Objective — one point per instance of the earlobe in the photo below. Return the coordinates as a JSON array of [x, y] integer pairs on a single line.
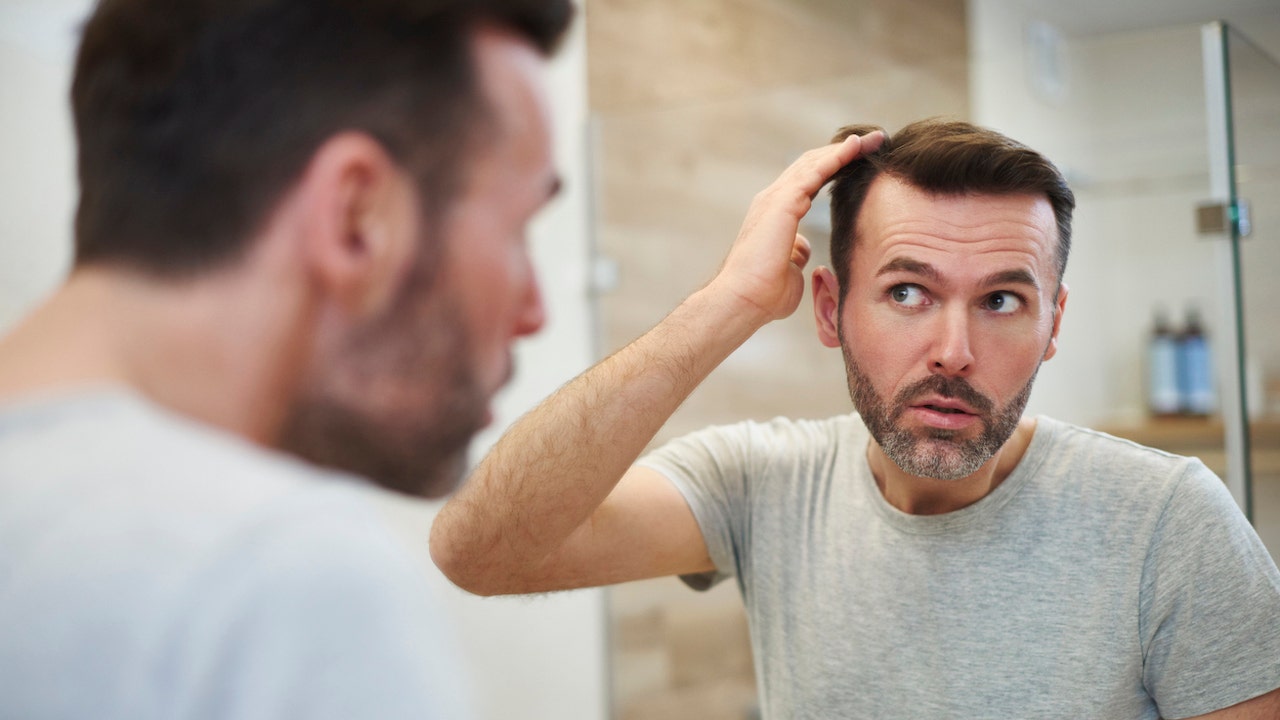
[[826, 306]]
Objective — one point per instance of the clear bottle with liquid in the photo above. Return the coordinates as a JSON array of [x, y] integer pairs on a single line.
[[1195, 369], [1163, 396]]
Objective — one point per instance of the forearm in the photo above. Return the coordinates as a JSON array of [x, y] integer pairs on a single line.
[[537, 514], [556, 465]]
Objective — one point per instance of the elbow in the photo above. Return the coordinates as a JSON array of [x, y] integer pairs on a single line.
[[479, 574], [466, 568], [463, 574]]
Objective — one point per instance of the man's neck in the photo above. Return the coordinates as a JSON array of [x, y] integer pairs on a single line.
[[929, 496], [204, 348]]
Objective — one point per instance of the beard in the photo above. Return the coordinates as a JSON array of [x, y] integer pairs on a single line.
[[934, 452], [397, 401]]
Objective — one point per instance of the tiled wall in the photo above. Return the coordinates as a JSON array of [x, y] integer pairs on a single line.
[[696, 105]]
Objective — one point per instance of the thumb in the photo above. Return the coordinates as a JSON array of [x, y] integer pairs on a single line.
[[801, 251]]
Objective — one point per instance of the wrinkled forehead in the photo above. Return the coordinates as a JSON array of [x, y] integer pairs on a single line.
[[896, 212]]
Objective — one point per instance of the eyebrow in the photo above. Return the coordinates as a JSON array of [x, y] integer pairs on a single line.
[[909, 266], [1017, 276], [1011, 277]]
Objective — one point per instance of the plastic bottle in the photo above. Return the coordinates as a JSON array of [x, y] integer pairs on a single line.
[[1163, 396], [1195, 372]]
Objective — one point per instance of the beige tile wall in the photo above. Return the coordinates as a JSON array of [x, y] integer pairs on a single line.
[[696, 105]]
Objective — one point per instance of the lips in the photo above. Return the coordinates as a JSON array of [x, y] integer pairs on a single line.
[[949, 406], [938, 411], [944, 403], [945, 410]]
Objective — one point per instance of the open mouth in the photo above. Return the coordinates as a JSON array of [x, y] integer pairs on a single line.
[[949, 411]]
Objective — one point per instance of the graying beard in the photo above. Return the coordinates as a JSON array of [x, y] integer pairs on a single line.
[[914, 456]]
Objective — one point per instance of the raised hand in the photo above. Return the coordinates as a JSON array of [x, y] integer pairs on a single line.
[[765, 266]]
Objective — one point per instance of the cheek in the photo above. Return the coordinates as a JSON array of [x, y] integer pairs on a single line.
[[1008, 360], [886, 338], [1014, 343], [885, 353]]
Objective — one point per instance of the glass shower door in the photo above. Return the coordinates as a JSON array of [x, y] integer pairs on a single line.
[[1242, 91]]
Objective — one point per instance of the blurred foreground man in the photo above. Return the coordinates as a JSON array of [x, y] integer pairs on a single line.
[[301, 228], [937, 554]]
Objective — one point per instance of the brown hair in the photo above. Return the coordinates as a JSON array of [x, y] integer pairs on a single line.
[[194, 117], [945, 158]]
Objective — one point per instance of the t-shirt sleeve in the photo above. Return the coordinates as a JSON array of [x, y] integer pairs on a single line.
[[319, 622], [1209, 604], [710, 469]]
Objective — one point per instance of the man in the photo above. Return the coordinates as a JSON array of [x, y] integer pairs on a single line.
[[938, 555], [301, 228]]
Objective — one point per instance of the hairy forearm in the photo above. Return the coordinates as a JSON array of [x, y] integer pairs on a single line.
[[537, 513], [556, 465]]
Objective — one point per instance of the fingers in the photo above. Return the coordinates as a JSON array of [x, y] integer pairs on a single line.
[[871, 142], [777, 210], [809, 173]]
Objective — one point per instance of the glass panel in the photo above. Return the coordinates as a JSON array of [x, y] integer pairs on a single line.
[[1149, 327], [1254, 85]]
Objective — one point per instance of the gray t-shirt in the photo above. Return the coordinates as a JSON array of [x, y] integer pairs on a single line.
[[154, 568], [1101, 579]]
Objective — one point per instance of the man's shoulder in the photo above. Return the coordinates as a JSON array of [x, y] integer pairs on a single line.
[[1094, 457], [742, 453], [1067, 435], [111, 435], [144, 539]]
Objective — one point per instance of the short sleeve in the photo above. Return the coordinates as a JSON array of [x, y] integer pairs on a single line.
[[1209, 604], [710, 469], [326, 619]]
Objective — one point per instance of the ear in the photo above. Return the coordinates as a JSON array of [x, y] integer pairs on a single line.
[[826, 306], [1059, 307], [361, 223]]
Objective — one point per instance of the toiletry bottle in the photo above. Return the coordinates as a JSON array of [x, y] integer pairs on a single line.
[[1163, 397], [1195, 373]]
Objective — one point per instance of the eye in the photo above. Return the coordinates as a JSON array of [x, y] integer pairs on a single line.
[[907, 295], [1003, 302]]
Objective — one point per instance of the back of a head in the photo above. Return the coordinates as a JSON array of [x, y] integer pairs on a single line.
[[944, 158], [194, 118]]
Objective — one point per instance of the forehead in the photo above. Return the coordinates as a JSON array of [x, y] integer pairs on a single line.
[[899, 218]]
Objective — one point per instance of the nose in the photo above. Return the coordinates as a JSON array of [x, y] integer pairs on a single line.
[[952, 354], [533, 314]]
